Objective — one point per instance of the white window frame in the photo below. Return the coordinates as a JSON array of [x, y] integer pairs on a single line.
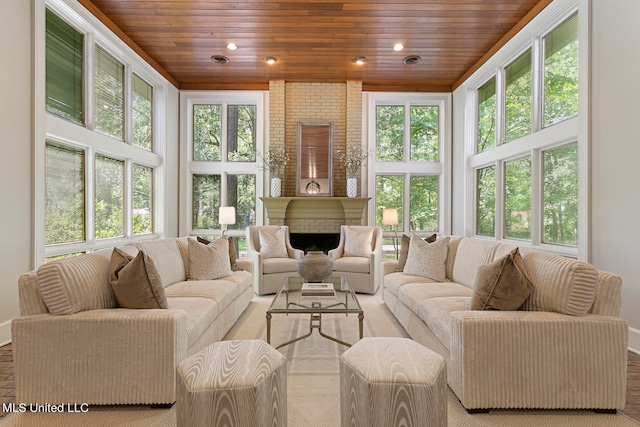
[[48, 127], [223, 167], [541, 139], [408, 168]]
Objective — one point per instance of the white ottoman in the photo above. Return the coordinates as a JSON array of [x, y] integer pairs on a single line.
[[233, 383], [392, 382]]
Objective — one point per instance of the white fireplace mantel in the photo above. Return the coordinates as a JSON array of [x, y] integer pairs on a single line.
[[315, 214]]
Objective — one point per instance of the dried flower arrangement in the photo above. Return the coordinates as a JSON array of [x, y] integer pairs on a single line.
[[353, 158], [274, 159]]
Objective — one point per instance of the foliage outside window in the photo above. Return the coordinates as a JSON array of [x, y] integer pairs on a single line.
[[207, 132], [64, 65], [64, 194], [486, 201], [518, 97], [389, 194], [109, 204], [561, 72], [517, 199], [423, 203], [389, 133], [142, 114], [142, 199], [424, 133], [241, 133], [241, 193], [487, 116], [109, 94], [207, 190], [561, 195]]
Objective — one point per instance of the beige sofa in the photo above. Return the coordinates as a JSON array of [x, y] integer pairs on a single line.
[[565, 348], [71, 345]]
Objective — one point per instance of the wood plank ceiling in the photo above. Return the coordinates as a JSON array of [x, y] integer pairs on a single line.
[[315, 41]]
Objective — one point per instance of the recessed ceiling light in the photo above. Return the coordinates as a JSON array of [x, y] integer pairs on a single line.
[[232, 46], [360, 60], [270, 60], [219, 59], [398, 47], [412, 59]]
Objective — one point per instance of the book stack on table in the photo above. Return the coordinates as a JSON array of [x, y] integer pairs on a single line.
[[317, 292]]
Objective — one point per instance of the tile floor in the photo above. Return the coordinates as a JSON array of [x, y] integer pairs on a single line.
[[632, 408]]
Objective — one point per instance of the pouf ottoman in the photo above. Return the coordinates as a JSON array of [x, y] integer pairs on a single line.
[[232, 383], [387, 382]]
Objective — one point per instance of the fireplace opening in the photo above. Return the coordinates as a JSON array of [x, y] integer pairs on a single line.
[[314, 241]]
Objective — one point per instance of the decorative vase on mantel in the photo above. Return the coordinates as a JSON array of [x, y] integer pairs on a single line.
[[352, 186], [276, 186], [315, 266]]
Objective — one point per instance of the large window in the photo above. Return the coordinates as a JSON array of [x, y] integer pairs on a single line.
[[409, 138], [526, 160], [221, 137], [100, 169]]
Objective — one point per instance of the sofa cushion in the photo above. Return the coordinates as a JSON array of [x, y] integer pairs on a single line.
[[135, 281], [279, 265], [221, 290], [394, 281], [560, 285], [352, 264], [233, 261], [209, 262], [273, 245], [501, 284], [75, 284], [427, 259], [404, 249], [166, 255], [201, 312], [471, 254], [358, 241], [436, 313], [413, 294]]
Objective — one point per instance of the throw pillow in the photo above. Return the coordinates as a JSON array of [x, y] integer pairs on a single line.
[[404, 249], [427, 259], [135, 281], [209, 262], [502, 284], [232, 251], [273, 245], [357, 242]]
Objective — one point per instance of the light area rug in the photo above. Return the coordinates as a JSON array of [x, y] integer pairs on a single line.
[[313, 383]]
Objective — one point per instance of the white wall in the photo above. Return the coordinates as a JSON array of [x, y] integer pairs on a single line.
[[15, 163], [615, 109]]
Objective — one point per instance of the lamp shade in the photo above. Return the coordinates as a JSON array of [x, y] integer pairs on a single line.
[[227, 215], [390, 216]]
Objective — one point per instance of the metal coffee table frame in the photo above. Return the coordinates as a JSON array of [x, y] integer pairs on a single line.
[[287, 301]]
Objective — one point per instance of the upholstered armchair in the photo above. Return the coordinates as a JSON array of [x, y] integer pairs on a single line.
[[358, 257], [273, 257]]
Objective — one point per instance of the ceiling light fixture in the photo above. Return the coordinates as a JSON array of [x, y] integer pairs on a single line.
[[398, 47], [360, 60], [232, 46], [219, 59], [270, 60], [412, 59]]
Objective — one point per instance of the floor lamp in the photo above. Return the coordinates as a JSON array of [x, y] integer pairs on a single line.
[[226, 216], [390, 218]]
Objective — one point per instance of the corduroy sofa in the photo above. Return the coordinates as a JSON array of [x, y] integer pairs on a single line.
[[72, 345], [565, 347]]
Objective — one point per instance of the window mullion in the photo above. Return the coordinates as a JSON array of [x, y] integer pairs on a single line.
[[128, 104], [537, 215], [500, 190], [127, 203], [500, 106], [89, 78], [537, 53], [90, 196]]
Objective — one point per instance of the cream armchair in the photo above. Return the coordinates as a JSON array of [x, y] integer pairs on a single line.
[[273, 257], [358, 257]]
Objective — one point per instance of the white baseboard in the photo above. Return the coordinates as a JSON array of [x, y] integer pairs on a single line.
[[634, 340], [5, 332]]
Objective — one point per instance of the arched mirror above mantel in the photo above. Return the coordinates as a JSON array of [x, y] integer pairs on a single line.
[[315, 159]]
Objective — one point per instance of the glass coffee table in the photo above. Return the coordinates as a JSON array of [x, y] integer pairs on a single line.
[[288, 300]]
